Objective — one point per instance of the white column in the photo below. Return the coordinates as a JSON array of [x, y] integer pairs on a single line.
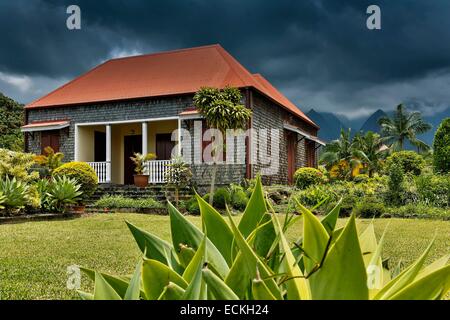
[[108, 153], [144, 138], [179, 137], [75, 151]]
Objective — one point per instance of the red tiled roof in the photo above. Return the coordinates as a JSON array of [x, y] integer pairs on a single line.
[[161, 74], [49, 123]]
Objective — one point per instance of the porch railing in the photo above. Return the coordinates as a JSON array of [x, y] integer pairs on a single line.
[[101, 169], [156, 169]]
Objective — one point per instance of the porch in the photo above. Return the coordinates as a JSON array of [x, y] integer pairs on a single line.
[[107, 148]]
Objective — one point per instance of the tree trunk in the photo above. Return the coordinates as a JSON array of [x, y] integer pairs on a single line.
[[213, 182], [176, 197]]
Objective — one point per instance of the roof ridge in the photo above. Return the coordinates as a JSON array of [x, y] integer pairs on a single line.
[[227, 56], [167, 52]]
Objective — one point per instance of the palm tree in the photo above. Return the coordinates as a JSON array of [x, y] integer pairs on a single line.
[[341, 153], [370, 149], [222, 110], [404, 126]]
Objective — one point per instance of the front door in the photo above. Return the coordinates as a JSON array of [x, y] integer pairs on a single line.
[[164, 146], [291, 142], [132, 145]]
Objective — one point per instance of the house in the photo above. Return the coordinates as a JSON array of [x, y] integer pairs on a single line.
[[134, 104]]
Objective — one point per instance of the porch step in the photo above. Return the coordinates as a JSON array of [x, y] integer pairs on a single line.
[[157, 192]]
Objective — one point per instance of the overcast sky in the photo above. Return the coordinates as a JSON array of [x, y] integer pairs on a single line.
[[320, 54]]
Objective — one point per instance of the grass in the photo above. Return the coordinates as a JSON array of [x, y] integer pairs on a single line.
[[34, 256]]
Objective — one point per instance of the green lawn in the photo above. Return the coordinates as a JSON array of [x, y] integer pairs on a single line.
[[34, 256]]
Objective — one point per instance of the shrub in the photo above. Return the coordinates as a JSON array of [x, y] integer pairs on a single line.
[[395, 184], [410, 161], [42, 187], [441, 146], [63, 191], [305, 177], [239, 200], [369, 208], [232, 262], [17, 165], [221, 198], [82, 173], [192, 206], [116, 202], [361, 178], [15, 193], [419, 210], [433, 190], [33, 198]]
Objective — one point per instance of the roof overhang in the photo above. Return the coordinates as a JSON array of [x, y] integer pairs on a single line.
[[304, 134], [190, 114], [46, 125]]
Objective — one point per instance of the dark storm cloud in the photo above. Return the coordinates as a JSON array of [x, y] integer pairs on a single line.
[[319, 53]]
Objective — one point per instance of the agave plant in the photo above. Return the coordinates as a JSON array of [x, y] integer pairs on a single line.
[[15, 194], [63, 191], [254, 260]]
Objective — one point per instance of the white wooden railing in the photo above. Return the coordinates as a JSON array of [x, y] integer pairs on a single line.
[[101, 169], [156, 169]]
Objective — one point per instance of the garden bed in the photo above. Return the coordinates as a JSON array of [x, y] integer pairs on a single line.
[[37, 217]]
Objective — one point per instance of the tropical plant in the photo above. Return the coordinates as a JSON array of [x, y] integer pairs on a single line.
[[340, 157], [15, 194], [410, 161], [49, 160], [402, 127], [222, 110], [17, 165], [178, 175], [63, 192], [370, 149], [305, 177], [140, 160], [82, 173], [254, 260], [441, 147]]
